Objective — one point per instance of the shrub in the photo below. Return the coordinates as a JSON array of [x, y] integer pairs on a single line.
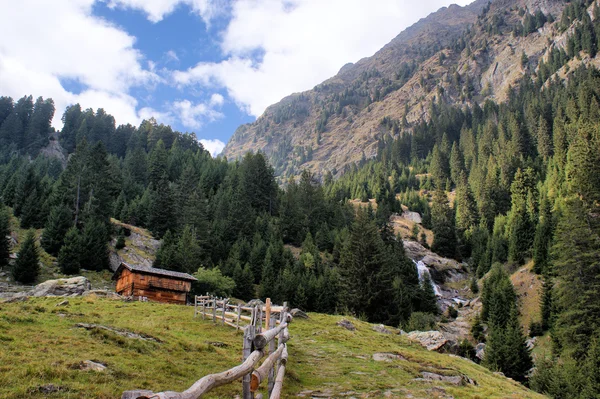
[[420, 321]]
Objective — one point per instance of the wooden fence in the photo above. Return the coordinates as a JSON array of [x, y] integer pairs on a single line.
[[257, 342]]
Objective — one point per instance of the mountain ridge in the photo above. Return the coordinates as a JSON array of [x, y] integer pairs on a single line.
[[461, 55]]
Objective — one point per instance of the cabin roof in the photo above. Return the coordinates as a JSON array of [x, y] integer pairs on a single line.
[[153, 270]]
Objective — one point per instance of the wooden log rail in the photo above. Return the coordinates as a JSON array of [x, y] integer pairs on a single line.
[[254, 348]]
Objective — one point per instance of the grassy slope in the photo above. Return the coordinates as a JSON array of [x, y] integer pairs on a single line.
[[39, 345]]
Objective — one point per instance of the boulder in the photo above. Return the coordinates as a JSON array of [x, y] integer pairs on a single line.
[[387, 357], [450, 379], [480, 351], [346, 324], [140, 393], [62, 287], [89, 365], [432, 340], [380, 328], [255, 302], [297, 313]]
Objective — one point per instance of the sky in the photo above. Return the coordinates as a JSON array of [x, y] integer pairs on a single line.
[[202, 66]]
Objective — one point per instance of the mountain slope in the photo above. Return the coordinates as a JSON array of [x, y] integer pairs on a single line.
[[461, 55]]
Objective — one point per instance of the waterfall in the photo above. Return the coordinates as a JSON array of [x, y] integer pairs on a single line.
[[423, 271]]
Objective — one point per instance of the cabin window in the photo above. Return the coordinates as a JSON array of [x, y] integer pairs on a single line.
[[142, 277]]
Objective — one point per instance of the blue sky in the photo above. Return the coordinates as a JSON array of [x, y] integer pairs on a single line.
[[203, 66]]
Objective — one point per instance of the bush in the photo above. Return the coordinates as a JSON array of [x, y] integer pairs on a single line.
[[213, 282], [420, 321], [466, 350], [452, 312], [477, 330], [120, 243]]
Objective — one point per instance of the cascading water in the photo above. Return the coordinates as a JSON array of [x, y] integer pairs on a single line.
[[424, 271]]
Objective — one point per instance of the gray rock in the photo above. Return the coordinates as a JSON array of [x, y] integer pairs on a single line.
[[531, 343], [380, 328], [432, 340], [255, 302], [480, 351], [62, 287], [89, 365], [297, 313], [387, 357], [346, 324], [454, 379]]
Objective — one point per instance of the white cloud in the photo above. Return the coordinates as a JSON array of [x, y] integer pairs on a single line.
[[303, 42], [43, 42], [156, 10], [195, 115], [171, 55], [215, 147]]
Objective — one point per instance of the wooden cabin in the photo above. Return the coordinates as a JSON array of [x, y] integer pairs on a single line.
[[154, 284]]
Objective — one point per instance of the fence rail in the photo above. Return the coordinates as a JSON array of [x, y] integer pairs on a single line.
[[256, 345]]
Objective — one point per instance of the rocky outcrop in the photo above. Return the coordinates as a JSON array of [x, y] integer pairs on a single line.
[[64, 287], [347, 324], [432, 340], [387, 357], [450, 379], [441, 269], [380, 328], [298, 314]]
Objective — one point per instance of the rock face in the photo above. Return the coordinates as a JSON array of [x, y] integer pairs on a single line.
[[339, 121], [380, 328], [480, 351], [89, 365], [432, 340], [441, 269]]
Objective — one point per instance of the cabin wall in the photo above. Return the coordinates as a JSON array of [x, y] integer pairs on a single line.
[[155, 288]]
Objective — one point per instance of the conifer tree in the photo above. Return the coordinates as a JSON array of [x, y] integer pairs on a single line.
[[543, 237], [94, 249], [167, 255], [26, 267], [70, 252], [59, 222], [442, 218], [521, 230], [428, 299], [189, 253], [4, 233]]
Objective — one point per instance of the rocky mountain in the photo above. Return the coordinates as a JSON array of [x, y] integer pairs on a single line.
[[460, 55]]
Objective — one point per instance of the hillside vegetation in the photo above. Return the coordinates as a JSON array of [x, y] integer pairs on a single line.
[[42, 351]]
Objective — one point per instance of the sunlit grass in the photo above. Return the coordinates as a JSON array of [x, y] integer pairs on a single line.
[[40, 345]]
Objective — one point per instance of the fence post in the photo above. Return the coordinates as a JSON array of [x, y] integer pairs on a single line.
[[267, 313], [195, 305], [249, 333], [271, 380], [214, 310], [224, 308], [239, 313], [204, 308]]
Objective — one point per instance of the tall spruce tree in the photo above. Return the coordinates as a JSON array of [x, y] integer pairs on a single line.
[[442, 219], [69, 255], [26, 267], [59, 222]]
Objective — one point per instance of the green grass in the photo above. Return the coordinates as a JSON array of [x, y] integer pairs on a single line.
[[39, 345]]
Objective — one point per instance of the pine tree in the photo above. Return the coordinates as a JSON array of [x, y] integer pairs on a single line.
[[26, 267], [94, 249], [442, 218], [189, 253], [167, 254], [4, 234], [543, 237], [70, 253], [521, 222], [428, 299], [59, 222]]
